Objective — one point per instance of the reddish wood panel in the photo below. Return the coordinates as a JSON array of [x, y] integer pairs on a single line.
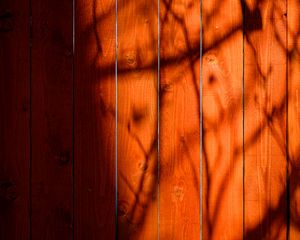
[[52, 120], [14, 120], [54, 104], [179, 156], [265, 119], [293, 47], [222, 120], [137, 119], [95, 120]]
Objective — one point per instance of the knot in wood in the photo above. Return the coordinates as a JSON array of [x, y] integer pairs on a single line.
[[211, 59], [131, 59], [143, 166], [64, 158], [177, 194], [6, 23], [122, 208], [8, 190]]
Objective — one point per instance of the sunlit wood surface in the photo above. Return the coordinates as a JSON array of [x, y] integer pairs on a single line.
[[222, 153], [293, 115], [179, 120], [137, 119], [265, 120], [149, 119]]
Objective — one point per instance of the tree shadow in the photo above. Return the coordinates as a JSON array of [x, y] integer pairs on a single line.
[[180, 57]]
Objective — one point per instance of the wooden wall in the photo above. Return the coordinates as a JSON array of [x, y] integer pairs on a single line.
[[149, 119]]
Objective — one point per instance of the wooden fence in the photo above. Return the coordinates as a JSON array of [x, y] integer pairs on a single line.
[[149, 119]]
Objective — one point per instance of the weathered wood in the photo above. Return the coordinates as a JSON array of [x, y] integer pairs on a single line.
[[293, 47], [222, 120], [14, 120], [137, 119], [179, 160], [265, 119], [95, 120], [52, 118]]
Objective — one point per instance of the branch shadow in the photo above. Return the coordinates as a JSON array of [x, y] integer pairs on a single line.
[[139, 128]]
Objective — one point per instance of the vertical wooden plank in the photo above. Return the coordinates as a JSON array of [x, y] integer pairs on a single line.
[[137, 119], [222, 120], [95, 119], [293, 47], [14, 120], [52, 110], [265, 119], [179, 119]]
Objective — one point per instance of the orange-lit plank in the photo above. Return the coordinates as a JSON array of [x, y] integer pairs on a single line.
[[265, 119], [179, 159], [94, 120], [52, 117], [222, 120], [14, 120], [137, 119], [293, 47]]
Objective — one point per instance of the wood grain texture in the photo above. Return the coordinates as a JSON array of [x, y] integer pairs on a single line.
[[52, 120], [137, 119], [265, 120], [58, 107], [14, 120], [179, 184], [222, 120], [293, 47], [95, 120]]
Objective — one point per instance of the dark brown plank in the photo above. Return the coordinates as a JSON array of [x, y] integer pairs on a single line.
[[14, 120], [137, 119], [293, 47], [95, 120], [265, 119], [179, 160], [222, 120], [52, 112]]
